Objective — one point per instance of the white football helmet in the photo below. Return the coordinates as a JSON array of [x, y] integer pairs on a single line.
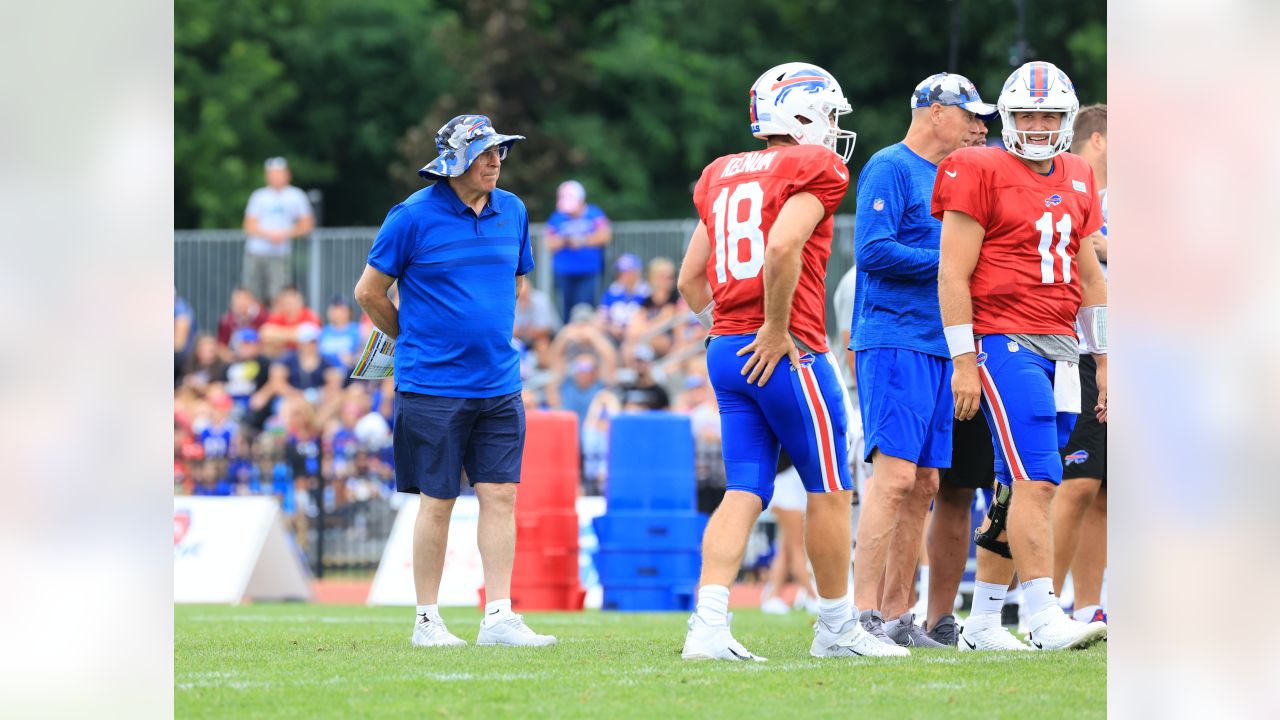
[[800, 90], [1038, 87]]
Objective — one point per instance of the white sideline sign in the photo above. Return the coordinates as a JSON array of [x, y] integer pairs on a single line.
[[463, 574], [227, 549]]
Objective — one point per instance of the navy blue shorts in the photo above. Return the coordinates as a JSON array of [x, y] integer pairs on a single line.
[[1017, 399], [907, 406], [804, 411], [437, 437]]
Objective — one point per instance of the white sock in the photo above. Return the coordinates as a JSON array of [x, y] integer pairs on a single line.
[[1038, 595], [1085, 614], [988, 598], [924, 584], [432, 611], [497, 608], [713, 604], [834, 613]]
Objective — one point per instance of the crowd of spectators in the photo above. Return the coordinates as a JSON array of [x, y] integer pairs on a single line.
[[264, 403]]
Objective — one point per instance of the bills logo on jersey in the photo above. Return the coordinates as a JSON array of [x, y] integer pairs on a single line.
[[1077, 457], [982, 359], [181, 524], [878, 204], [1054, 199]]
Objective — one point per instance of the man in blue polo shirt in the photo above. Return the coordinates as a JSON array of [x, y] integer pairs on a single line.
[[460, 250], [903, 367]]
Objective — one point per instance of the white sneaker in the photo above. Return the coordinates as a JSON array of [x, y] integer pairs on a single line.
[[511, 630], [850, 641], [714, 642], [775, 606], [1055, 630], [431, 632], [987, 634], [805, 601]]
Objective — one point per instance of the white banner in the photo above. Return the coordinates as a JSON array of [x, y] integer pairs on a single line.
[[227, 549], [463, 573]]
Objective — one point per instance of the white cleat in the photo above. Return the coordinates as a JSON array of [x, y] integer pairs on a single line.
[[1055, 630], [775, 606], [714, 642], [511, 630], [851, 641], [431, 632], [987, 635]]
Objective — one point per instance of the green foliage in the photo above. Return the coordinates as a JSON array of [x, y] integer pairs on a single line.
[[631, 98]]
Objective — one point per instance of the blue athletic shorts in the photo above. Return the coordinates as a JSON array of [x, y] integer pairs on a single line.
[[907, 406], [1017, 400], [804, 411], [436, 437]]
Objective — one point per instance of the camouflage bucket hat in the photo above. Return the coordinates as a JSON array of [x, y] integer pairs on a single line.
[[460, 141]]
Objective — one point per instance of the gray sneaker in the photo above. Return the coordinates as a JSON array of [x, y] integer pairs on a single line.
[[945, 631], [907, 633], [874, 624]]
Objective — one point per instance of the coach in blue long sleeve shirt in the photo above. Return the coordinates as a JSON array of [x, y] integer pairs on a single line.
[[459, 250], [902, 364]]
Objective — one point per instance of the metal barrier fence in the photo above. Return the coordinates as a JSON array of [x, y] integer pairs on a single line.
[[207, 263]]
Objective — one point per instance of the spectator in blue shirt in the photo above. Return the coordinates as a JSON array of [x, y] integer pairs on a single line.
[[577, 390], [624, 297], [577, 234], [340, 339], [459, 249]]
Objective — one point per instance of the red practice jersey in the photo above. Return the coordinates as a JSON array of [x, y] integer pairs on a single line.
[[1026, 280], [738, 198]]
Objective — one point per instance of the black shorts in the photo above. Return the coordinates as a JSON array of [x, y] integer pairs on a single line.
[[437, 437], [973, 457], [1085, 454]]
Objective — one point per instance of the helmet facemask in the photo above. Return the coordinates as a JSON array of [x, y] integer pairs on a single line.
[[1017, 141]]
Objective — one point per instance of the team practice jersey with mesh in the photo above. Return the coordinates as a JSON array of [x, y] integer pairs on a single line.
[[1026, 280], [738, 198]]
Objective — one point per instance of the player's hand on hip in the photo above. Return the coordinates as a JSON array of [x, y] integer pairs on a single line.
[[1101, 407], [767, 350], [965, 386]]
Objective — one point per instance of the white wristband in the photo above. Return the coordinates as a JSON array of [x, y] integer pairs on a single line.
[[1093, 328], [705, 316], [959, 339]]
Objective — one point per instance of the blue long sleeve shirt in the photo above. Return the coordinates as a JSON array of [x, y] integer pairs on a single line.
[[896, 248]]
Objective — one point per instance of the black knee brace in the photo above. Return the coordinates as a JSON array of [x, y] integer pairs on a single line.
[[998, 512]]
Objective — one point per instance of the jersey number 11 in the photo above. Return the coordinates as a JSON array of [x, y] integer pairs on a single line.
[[1045, 225]]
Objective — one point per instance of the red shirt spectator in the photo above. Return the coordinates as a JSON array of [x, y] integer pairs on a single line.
[[244, 312], [282, 324]]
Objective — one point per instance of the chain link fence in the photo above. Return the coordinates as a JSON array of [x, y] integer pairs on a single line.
[[207, 263]]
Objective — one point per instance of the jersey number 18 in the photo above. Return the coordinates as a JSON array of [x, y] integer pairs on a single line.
[[729, 232]]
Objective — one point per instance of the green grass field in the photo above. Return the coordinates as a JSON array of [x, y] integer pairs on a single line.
[[309, 661]]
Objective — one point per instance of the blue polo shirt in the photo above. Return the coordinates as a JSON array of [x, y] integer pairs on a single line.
[[896, 244], [457, 276]]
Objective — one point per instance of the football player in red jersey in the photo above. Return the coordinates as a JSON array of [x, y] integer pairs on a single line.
[[1013, 279], [756, 268]]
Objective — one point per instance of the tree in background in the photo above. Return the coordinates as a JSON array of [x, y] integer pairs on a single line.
[[631, 98]]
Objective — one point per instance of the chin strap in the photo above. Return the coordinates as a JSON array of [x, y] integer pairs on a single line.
[[997, 513]]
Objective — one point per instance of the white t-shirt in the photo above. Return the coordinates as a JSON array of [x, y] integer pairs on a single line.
[[275, 210]]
